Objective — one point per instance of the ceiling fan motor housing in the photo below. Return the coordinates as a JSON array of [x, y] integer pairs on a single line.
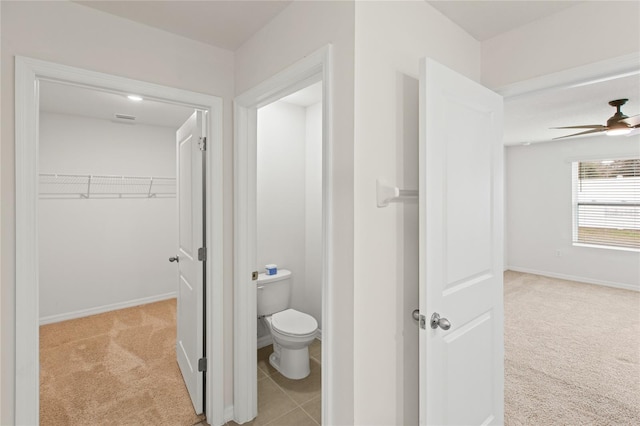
[[613, 122]]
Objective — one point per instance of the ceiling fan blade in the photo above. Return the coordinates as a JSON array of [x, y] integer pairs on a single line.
[[582, 133], [586, 126], [633, 121]]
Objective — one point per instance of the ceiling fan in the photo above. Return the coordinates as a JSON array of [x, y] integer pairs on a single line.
[[617, 124]]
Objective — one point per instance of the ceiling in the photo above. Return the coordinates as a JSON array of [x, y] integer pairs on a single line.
[[93, 103], [74, 100], [486, 19], [226, 24], [305, 97]]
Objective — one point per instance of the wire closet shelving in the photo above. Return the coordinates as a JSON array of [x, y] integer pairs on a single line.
[[53, 185]]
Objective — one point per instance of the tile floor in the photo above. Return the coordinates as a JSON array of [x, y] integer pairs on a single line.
[[282, 401]]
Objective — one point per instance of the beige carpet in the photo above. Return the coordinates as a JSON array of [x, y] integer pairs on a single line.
[[572, 353], [116, 368]]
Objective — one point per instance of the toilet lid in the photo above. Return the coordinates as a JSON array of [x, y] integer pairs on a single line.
[[293, 322]]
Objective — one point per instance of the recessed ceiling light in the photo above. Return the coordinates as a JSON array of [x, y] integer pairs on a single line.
[[135, 98]]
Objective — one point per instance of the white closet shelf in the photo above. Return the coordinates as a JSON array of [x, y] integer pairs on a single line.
[[53, 185]]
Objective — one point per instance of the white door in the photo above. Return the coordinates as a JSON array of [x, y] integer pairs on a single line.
[[189, 341], [461, 226]]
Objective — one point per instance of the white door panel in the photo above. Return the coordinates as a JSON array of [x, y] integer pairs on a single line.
[[461, 369], [190, 313]]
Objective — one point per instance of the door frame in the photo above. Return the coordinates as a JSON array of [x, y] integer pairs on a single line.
[[311, 69], [28, 72]]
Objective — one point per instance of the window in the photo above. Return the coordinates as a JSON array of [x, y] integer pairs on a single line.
[[606, 203]]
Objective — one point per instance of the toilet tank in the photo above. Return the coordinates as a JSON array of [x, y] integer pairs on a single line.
[[273, 292]]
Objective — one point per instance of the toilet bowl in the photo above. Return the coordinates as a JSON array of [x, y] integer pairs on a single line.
[[292, 331]]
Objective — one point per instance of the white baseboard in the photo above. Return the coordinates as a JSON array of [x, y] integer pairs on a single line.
[[575, 278], [264, 341], [106, 308]]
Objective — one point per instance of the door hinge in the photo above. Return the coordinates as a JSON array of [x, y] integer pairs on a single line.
[[202, 254], [203, 143], [202, 364]]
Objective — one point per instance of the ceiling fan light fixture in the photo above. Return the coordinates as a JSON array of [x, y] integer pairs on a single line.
[[618, 131]]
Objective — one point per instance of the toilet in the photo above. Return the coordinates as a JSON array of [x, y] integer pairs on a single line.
[[292, 331]]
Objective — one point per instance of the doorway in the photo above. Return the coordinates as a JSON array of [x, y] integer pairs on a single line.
[[107, 226], [251, 231], [30, 73], [289, 241], [542, 260]]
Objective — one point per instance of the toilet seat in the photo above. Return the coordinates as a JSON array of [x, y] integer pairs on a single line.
[[294, 323]]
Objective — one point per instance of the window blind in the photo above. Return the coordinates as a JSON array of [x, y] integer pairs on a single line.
[[606, 200]]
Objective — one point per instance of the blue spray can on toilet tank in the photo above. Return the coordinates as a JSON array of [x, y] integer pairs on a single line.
[[271, 269]]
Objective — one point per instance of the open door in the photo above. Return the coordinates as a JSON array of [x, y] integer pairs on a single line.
[[461, 228], [191, 256]]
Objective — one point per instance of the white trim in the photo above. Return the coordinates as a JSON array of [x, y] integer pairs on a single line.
[[228, 413], [27, 367], [264, 341], [574, 278], [50, 319], [28, 72], [605, 247], [598, 157], [245, 397], [314, 67], [608, 69]]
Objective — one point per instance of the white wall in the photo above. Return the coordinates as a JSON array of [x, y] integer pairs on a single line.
[[539, 212], [75, 35], [281, 192], [289, 199], [300, 29], [589, 32], [391, 37], [312, 303], [100, 252]]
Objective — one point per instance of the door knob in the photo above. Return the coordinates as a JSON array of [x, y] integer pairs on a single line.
[[174, 259], [422, 321], [416, 314], [436, 322]]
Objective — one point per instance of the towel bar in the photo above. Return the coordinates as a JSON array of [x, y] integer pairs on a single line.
[[387, 193]]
